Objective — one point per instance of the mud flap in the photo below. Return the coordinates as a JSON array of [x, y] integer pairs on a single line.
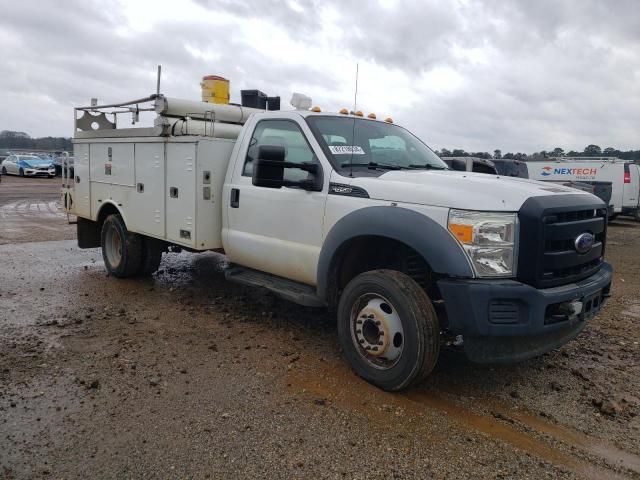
[[88, 233]]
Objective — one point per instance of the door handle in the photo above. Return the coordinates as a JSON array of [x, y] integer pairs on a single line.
[[235, 198]]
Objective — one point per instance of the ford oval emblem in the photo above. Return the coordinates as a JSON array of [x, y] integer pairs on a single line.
[[584, 242]]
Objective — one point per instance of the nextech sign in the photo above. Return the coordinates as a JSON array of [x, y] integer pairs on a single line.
[[582, 172]]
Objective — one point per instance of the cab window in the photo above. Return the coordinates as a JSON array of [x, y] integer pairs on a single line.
[[283, 133]]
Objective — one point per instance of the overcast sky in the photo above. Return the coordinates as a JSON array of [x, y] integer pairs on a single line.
[[516, 75]]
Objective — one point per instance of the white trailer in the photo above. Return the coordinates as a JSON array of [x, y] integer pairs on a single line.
[[623, 175]]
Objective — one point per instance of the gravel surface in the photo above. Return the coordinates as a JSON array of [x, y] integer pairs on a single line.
[[184, 375]]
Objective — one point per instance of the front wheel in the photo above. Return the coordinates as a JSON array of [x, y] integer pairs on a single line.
[[121, 250], [21, 172], [4, 170], [388, 329]]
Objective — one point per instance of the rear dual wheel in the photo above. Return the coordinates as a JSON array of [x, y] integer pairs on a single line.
[[127, 254], [388, 329]]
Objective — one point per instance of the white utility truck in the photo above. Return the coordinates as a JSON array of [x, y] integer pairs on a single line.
[[623, 175], [351, 213]]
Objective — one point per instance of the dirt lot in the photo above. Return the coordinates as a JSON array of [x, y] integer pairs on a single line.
[[184, 375]]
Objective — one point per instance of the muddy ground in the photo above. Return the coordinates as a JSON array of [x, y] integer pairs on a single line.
[[184, 375]]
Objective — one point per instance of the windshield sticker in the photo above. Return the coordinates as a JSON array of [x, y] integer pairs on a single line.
[[346, 149]]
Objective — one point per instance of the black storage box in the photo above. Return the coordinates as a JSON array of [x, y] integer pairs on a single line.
[[273, 103], [254, 99]]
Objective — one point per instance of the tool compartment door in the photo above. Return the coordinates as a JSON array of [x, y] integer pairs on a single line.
[[112, 163], [80, 200], [148, 212], [180, 193]]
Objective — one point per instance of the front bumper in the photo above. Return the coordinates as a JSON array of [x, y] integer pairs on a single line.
[[40, 173], [507, 321]]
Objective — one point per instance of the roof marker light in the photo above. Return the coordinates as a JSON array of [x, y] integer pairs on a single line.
[[358, 114], [388, 120], [372, 116], [316, 109], [344, 111]]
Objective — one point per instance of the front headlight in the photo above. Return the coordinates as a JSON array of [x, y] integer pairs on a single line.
[[488, 238]]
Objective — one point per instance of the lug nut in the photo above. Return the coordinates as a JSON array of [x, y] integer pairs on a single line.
[[361, 340], [359, 322], [375, 349], [380, 343], [358, 331], [378, 322], [368, 347]]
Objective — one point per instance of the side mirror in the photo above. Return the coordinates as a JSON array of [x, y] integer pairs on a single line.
[[268, 170]]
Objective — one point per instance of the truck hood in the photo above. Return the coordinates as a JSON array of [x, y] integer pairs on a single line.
[[464, 190]]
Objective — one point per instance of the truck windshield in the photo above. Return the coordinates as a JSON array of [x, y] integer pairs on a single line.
[[354, 143]]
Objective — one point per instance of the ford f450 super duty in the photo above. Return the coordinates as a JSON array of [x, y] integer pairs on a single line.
[[350, 213]]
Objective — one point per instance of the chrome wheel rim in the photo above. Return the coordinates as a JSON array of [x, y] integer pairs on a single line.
[[376, 331]]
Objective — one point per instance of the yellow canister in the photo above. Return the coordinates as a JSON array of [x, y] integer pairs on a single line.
[[215, 89]]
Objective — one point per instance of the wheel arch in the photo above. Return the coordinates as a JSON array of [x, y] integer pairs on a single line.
[[89, 231], [385, 228], [109, 208]]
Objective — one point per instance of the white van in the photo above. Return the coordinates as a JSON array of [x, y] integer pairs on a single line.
[[623, 174]]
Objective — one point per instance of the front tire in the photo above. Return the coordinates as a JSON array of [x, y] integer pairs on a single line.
[[121, 250], [21, 172], [4, 170], [388, 329]]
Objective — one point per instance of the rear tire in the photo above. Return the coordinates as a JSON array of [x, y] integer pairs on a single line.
[[4, 170], [121, 250], [387, 311], [151, 256]]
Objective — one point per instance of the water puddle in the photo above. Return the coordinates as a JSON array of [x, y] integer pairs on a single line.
[[346, 391]]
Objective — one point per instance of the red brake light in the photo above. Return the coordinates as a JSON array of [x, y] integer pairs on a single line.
[[627, 177]]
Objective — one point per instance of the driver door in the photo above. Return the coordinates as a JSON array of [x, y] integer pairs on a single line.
[[276, 230]]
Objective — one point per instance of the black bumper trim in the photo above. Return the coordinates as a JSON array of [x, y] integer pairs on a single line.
[[468, 303], [520, 348]]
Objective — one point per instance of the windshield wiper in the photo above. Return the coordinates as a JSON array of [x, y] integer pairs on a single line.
[[374, 165], [427, 166]]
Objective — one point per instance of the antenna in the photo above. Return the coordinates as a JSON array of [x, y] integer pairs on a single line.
[[355, 95], [158, 81], [353, 130]]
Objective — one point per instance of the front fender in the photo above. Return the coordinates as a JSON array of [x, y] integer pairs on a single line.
[[423, 234]]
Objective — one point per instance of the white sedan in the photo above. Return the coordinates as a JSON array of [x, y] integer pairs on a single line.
[[28, 165]]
